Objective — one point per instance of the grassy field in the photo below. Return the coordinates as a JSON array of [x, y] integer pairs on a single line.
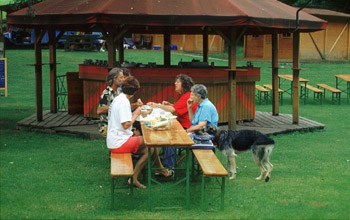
[[45, 176]]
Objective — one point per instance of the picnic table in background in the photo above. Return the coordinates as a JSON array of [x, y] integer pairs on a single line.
[[175, 136], [290, 91], [346, 78]]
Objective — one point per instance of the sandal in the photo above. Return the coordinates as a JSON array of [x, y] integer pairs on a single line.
[[168, 174], [137, 185]]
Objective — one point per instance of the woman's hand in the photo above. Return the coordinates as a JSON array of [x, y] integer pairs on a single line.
[[139, 103], [166, 103], [152, 104], [137, 112], [189, 103]]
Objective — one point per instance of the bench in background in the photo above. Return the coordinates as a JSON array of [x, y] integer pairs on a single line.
[[334, 91], [262, 91], [318, 93], [280, 92]]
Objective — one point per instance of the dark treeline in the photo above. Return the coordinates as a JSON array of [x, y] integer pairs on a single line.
[[335, 5]]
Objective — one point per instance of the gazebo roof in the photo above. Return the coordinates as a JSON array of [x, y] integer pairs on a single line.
[[256, 16], [326, 12]]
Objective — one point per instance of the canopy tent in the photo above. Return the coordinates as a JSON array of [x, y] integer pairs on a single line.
[[231, 19], [252, 14]]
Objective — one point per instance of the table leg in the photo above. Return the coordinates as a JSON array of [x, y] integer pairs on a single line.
[[305, 93], [188, 162], [149, 180], [348, 92], [336, 82]]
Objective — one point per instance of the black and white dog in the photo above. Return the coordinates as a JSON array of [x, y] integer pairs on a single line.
[[232, 143]]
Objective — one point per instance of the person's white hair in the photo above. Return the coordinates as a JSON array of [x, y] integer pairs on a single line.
[[199, 90]]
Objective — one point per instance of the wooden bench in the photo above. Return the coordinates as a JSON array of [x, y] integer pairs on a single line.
[[121, 166], [317, 92], [280, 92], [262, 90], [211, 167], [335, 91]]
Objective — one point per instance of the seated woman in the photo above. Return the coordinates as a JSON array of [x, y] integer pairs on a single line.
[[120, 137], [183, 84], [206, 113]]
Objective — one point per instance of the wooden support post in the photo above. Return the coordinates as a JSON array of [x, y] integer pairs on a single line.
[[121, 50], [205, 46], [111, 50], [348, 43], [232, 105], [38, 75], [296, 69], [167, 58], [275, 96], [325, 41], [53, 71], [0, 21]]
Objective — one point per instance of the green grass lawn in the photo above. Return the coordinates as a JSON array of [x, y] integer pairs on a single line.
[[45, 176]]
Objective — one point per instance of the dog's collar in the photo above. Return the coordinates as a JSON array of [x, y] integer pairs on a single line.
[[216, 139]]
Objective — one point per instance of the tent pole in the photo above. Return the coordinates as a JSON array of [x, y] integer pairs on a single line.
[[275, 103], [296, 70], [232, 81], [53, 71]]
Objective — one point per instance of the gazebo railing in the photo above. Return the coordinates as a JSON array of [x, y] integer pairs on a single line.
[[61, 93]]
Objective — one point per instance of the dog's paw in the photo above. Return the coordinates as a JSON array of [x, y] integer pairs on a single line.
[[233, 177], [259, 178]]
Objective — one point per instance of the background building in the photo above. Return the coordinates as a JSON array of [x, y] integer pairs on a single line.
[[329, 44]]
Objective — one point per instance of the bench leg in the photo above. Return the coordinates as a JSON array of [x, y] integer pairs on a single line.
[[202, 193], [112, 193], [149, 180], [132, 185], [223, 194], [222, 203], [281, 98], [193, 168]]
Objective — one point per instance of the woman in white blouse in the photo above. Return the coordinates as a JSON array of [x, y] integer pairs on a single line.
[[120, 137]]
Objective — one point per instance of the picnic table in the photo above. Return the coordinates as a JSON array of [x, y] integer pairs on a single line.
[[343, 78], [283, 78], [175, 136]]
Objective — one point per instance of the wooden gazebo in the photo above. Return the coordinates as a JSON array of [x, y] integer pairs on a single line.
[[231, 19]]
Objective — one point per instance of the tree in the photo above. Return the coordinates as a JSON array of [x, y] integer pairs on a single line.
[[18, 4], [335, 5]]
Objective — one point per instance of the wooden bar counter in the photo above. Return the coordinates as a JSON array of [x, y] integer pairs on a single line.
[[157, 84]]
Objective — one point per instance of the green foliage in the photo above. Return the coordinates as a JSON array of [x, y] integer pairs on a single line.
[[47, 176], [335, 5], [19, 4]]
